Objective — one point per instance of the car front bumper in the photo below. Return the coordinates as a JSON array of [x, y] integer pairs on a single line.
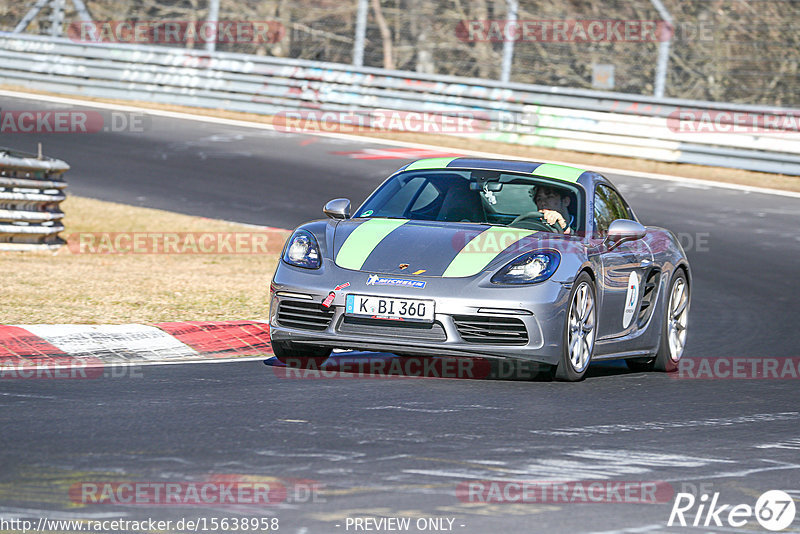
[[541, 308]]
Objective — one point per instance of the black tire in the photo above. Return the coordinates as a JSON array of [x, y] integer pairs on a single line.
[[566, 370], [664, 360], [300, 356]]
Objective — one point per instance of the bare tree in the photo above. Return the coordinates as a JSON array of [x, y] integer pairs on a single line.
[[386, 35]]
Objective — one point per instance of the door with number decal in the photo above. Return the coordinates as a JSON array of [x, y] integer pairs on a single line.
[[623, 268]]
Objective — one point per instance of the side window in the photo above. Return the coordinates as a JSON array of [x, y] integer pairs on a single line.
[[608, 207]]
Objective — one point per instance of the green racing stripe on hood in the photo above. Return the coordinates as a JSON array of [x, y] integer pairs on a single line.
[[363, 240], [559, 172], [429, 163], [482, 249]]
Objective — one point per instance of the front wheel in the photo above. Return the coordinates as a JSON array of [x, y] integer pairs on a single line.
[[579, 331], [676, 320], [301, 356]]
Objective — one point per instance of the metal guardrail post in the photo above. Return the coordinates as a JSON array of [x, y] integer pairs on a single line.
[[56, 18], [508, 44], [212, 18], [663, 50], [361, 33], [31, 192]]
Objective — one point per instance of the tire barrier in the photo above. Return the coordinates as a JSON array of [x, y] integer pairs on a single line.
[[31, 191]]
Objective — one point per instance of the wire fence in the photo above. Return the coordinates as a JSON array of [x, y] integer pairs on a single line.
[[736, 51]]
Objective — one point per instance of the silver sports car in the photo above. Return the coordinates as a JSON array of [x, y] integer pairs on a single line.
[[502, 259]]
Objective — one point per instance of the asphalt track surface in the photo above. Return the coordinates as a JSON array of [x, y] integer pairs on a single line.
[[400, 447]]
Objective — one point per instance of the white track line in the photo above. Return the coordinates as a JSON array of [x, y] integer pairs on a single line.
[[377, 141]]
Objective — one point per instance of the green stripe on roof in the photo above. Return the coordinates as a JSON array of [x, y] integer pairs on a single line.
[[482, 249], [559, 172], [430, 163], [363, 240]]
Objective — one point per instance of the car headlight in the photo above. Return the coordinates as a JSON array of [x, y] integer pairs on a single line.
[[530, 268], [303, 251]]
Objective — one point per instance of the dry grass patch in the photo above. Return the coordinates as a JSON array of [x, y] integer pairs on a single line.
[[69, 287]]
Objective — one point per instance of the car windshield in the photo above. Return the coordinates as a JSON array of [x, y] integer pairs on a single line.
[[475, 196]]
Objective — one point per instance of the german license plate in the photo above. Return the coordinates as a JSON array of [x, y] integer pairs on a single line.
[[389, 308]]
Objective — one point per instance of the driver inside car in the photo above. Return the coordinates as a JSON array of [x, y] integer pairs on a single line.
[[553, 203]]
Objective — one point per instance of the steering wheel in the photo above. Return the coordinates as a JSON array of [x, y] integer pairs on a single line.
[[534, 220]]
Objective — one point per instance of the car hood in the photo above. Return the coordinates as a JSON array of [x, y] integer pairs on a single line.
[[429, 248]]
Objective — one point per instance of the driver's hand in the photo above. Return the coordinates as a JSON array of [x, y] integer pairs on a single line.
[[552, 218]]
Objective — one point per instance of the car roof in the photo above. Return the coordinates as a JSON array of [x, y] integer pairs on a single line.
[[563, 173]]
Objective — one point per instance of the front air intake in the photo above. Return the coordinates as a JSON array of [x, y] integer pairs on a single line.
[[304, 315], [491, 330]]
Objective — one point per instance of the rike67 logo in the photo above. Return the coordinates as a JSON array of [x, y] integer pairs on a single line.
[[774, 510]]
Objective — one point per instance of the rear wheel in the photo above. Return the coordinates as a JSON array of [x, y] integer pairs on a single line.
[[579, 331], [301, 356], [673, 330]]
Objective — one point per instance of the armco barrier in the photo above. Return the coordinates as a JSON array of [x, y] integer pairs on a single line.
[[31, 191], [571, 119]]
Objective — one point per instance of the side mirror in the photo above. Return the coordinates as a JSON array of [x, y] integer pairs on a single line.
[[338, 208], [623, 230]]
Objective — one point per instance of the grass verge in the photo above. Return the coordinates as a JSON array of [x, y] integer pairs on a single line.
[[92, 285]]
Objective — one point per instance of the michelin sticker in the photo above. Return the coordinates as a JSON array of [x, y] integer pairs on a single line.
[[375, 280], [630, 300]]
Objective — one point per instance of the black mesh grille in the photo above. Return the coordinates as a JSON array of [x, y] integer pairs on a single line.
[[395, 329], [491, 330], [304, 315]]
